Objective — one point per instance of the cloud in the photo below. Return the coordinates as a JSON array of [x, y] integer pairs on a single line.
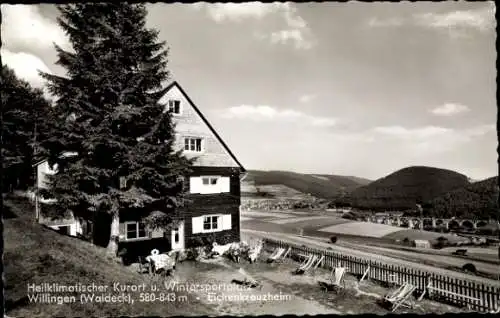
[[416, 133], [307, 98], [455, 22], [26, 66], [431, 139], [482, 19], [390, 22], [449, 109], [23, 26], [295, 30], [221, 12], [268, 113]]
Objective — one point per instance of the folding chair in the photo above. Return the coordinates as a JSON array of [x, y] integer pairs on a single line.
[[254, 253], [336, 279], [399, 296], [308, 264], [276, 254], [247, 280], [144, 266], [283, 256]]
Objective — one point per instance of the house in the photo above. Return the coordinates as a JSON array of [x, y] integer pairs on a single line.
[[213, 208], [421, 244]]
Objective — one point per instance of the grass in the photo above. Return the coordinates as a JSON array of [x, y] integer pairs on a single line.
[[304, 293], [35, 254], [361, 229], [422, 235]]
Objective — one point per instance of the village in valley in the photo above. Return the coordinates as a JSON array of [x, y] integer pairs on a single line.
[[132, 185]]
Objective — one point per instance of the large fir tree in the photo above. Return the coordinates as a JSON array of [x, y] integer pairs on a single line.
[[25, 118], [108, 113]]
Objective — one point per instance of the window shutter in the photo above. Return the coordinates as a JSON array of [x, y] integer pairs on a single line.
[[223, 184], [197, 224], [226, 222], [195, 185]]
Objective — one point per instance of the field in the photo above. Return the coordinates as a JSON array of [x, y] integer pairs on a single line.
[[251, 191], [423, 235], [382, 239], [361, 229]]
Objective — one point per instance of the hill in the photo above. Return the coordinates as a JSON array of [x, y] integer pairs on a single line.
[[34, 254], [476, 200], [320, 186], [406, 187]]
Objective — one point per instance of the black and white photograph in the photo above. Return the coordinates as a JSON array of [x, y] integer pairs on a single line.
[[250, 158]]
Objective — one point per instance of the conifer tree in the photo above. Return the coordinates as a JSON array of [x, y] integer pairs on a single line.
[[25, 118], [109, 116]]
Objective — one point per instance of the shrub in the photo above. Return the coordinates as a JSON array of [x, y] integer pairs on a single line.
[[333, 239], [196, 242], [349, 216], [469, 267], [406, 240]]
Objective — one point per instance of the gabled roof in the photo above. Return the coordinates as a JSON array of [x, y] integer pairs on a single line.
[[62, 154], [168, 88], [175, 84]]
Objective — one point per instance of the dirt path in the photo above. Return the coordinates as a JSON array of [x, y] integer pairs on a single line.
[[372, 256]]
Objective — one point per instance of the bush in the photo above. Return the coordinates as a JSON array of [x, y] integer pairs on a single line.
[[349, 216], [196, 242], [333, 239], [469, 267], [406, 240]]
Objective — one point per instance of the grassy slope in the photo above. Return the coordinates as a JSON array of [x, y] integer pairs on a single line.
[[334, 187], [479, 199], [403, 188], [35, 254]]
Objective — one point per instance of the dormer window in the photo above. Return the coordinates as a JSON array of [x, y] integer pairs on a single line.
[[192, 144], [174, 106]]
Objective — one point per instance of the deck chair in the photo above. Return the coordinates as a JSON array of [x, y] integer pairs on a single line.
[[283, 256], [399, 296], [247, 280], [276, 254], [307, 265], [335, 281], [144, 266]]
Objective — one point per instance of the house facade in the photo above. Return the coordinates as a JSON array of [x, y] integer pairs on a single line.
[[213, 201]]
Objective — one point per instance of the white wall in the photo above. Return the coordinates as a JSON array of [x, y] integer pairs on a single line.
[[224, 223], [196, 185]]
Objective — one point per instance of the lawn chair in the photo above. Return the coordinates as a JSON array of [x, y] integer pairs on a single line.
[[247, 280], [283, 256], [308, 263], [276, 254], [399, 296], [144, 265], [335, 281], [255, 252]]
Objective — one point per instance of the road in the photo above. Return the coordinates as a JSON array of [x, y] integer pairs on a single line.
[[355, 251], [435, 259]]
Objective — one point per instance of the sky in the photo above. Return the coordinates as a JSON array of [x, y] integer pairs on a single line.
[[359, 89]]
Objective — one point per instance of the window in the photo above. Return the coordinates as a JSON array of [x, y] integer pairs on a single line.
[[176, 235], [192, 144], [136, 230], [210, 181], [174, 106], [210, 223], [123, 182]]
